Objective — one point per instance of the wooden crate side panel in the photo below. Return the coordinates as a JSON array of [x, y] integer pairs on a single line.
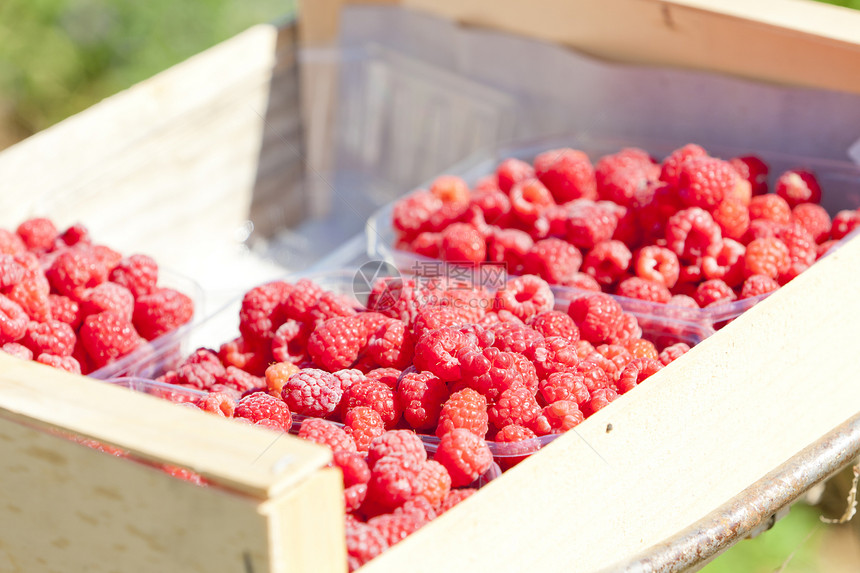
[[694, 436], [792, 42]]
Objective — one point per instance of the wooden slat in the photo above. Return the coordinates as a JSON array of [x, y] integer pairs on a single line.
[[794, 42], [319, 21], [698, 433], [239, 457]]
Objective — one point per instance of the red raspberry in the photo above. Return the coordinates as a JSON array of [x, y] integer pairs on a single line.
[[17, 350], [290, 342], [391, 346], [756, 285], [347, 378], [843, 223], [76, 234], [455, 496], [802, 249], [388, 376], [514, 443], [495, 206], [769, 257], [798, 186], [512, 171], [814, 219], [220, 404], [464, 455], [622, 175], [615, 353], [377, 396], [771, 207], [74, 271], [714, 291], [426, 244], [529, 199], [600, 398], [11, 243], [437, 483], [555, 355], [11, 271], [642, 289], [567, 173], [559, 417], [108, 296], [450, 189], [567, 385], [690, 232], [438, 351], [825, 247], [325, 433], [589, 224], [515, 405], [260, 314], [733, 217], [33, 297], [403, 443], [554, 323], [395, 527], [412, 214], [38, 234], [640, 348], [245, 355], [312, 392], [598, 317], [353, 467], [240, 381], [653, 206], [725, 261], [509, 247], [66, 363], [107, 256], [363, 543], [395, 479], [53, 337], [336, 343], [161, 312], [363, 424], [671, 168], [608, 261], [353, 497], [754, 170], [422, 395], [657, 264], [609, 368], [762, 229], [465, 409], [462, 243], [554, 260], [433, 318], [138, 273], [671, 353], [330, 305], [106, 337], [517, 338], [527, 371], [636, 372], [704, 181], [301, 300], [525, 296], [259, 406]]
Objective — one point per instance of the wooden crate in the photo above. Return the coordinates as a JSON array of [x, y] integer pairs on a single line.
[[196, 148]]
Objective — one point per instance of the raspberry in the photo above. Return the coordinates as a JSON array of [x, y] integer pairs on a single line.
[[260, 314], [598, 316], [312, 392], [801, 246], [377, 396], [106, 337], [555, 355], [515, 405], [814, 219], [657, 264], [464, 455], [354, 496], [512, 171], [329, 305], [636, 372], [363, 424], [438, 351], [704, 181], [437, 483], [391, 346], [454, 497], [725, 261], [348, 377], [771, 207], [672, 165], [798, 186], [654, 205], [638, 288], [74, 271], [757, 285], [38, 234], [608, 261], [108, 296], [353, 467], [412, 213], [509, 247], [138, 273], [17, 350], [567, 173], [11, 243], [422, 395], [600, 398], [640, 348], [615, 353], [671, 353], [450, 189], [462, 243], [219, 404], [558, 417], [714, 291], [403, 443], [754, 170], [517, 440], [53, 337], [690, 232], [388, 376], [527, 372], [762, 229], [554, 323], [490, 373], [466, 409], [825, 247], [259, 406], [32, 295], [525, 296], [769, 257], [566, 385], [589, 224], [843, 223], [395, 527], [733, 217], [395, 479], [11, 271], [426, 244], [529, 199], [66, 363], [107, 256], [609, 368], [554, 260], [336, 343], [325, 433], [162, 311], [363, 543], [495, 206], [290, 341], [622, 175]]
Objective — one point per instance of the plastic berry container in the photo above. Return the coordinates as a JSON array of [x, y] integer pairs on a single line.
[[839, 180]]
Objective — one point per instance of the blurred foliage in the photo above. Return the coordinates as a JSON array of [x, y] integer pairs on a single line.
[[846, 3], [58, 57]]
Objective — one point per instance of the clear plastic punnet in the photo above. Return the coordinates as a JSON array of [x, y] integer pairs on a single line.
[[839, 180]]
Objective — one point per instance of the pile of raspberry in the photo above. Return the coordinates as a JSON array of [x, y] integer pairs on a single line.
[[77, 305], [426, 362], [693, 231]]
